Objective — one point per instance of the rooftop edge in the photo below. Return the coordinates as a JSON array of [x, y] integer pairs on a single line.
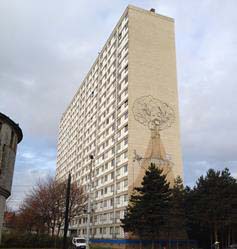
[[15, 126]]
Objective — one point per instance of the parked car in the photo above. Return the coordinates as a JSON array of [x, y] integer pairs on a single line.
[[78, 243]]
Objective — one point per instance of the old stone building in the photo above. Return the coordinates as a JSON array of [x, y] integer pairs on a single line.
[[10, 136]]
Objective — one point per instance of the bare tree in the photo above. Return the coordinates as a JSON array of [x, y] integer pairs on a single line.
[[45, 206], [76, 206]]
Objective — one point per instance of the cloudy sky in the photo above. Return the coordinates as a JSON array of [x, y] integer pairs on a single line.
[[46, 48]]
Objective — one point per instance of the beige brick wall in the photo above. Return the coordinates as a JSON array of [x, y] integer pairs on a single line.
[[152, 71]]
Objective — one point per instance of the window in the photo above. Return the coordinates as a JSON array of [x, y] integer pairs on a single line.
[[125, 183], [126, 115], [106, 166], [125, 103], [118, 186], [119, 109], [112, 175], [119, 87], [111, 202], [126, 128], [126, 68], [112, 188], [117, 201], [119, 133], [105, 203], [113, 127], [119, 121], [119, 147], [126, 141], [119, 99], [112, 139], [125, 155], [113, 150], [126, 79], [125, 168], [126, 26], [106, 154]]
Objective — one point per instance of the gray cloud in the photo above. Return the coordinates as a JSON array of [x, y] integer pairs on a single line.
[[47, 47], [206, 54]]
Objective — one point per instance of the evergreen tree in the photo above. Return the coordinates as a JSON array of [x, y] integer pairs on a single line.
[[149, 206], [210, 207], [176, 222]]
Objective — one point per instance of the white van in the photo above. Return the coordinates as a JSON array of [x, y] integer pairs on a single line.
[[79, 243]]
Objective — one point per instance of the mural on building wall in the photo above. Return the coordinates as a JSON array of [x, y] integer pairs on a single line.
[[156, 116]]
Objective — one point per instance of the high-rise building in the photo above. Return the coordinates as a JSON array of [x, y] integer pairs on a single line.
[[124, 116]]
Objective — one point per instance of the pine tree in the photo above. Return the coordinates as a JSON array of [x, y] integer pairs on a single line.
[[176, 222], [211, 207], [149, 205]]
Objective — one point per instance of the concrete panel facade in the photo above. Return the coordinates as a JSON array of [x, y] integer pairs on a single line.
[[125, 114], [152, 93]]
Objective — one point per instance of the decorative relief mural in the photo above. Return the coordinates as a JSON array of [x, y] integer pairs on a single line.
[[156, 116]]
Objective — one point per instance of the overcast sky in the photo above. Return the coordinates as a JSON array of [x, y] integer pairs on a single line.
[[46, 48]]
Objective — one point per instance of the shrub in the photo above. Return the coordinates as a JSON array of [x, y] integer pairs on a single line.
[[28, 240]]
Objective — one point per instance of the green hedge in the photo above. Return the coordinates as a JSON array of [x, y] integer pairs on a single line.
[[99, 247], [17, 240]]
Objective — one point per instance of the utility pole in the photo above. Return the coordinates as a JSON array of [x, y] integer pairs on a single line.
[[66, 212], [89, 205]]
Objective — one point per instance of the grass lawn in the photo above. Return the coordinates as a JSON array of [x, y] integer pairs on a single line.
[[99, 247]]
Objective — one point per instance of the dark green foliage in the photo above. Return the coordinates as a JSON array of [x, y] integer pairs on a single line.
[[210, 208], [29, 240], [149, 205], [176, 225], [99, 247], [207, 212]]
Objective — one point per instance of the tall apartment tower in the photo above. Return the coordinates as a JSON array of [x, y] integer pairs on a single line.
[[125, 114]]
